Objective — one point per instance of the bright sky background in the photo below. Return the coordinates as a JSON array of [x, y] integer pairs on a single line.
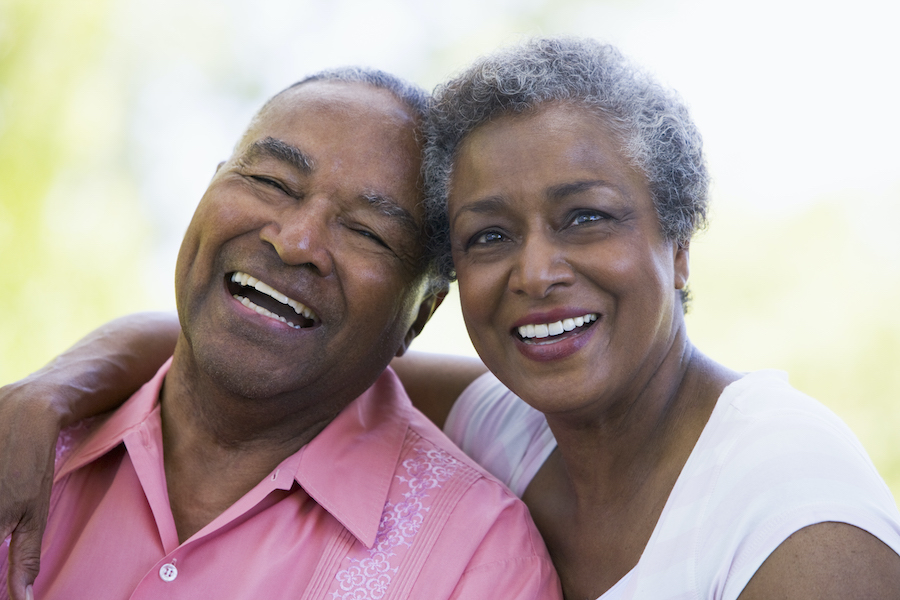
[[796, 100]]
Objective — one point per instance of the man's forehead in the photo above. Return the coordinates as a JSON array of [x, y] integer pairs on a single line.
[[367, 130], [377, 118]]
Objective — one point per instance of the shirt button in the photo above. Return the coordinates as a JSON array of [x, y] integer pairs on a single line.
[[168, 572]]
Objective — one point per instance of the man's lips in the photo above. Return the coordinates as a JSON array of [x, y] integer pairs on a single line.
[[537, 331], [269, 302]]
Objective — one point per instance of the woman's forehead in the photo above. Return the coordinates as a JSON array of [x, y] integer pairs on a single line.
[[553, 134]]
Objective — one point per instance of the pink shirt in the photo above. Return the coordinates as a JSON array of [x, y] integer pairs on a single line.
[[379, 505]]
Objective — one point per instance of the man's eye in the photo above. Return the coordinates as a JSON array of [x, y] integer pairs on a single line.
[[269, 182], [371, 236]]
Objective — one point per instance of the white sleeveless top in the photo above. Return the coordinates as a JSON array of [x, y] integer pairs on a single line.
[[769, 462]]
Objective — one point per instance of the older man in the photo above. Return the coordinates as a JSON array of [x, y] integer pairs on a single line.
[[274, 457]]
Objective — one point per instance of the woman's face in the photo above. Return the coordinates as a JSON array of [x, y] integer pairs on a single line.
[[568, 286]]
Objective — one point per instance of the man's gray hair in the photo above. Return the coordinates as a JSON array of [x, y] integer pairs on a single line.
[[410, 94], [656, 132]]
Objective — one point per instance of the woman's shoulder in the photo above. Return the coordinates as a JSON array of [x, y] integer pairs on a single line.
[[765, 418], [770, 462], [767, 439], [500, 431]]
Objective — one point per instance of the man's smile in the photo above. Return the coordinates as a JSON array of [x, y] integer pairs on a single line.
[[269, 302]]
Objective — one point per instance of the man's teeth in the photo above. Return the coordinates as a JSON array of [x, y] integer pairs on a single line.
[[264, 288], [263, 311], [550, 329]]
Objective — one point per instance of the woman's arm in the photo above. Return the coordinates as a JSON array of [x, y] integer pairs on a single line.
[[435, 381], [827, 561], [96, 375]]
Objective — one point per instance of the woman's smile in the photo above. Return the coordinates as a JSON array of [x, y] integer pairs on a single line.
[[555, 331]]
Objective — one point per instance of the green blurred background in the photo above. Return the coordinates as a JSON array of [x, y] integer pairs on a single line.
[[114, 114]]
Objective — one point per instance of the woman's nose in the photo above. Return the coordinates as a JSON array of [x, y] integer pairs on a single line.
[[540, 266]]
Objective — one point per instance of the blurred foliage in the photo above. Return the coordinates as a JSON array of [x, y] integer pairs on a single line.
[[60, 124]]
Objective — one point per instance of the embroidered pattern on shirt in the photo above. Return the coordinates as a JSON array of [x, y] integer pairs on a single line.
[[369, 578], [70, 437]]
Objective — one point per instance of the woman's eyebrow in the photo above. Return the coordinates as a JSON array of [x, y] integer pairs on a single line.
[[282, 151], [562, 190], [484, 206]]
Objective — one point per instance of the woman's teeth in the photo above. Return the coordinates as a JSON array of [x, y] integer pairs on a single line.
[[550, 329]]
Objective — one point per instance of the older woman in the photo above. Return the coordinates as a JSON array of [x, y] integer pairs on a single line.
[[565, 189], [570, 185]]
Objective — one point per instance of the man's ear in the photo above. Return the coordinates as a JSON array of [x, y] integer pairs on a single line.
[[426, 309]]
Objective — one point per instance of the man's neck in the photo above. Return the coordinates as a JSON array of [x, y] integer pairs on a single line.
[[218, 446]]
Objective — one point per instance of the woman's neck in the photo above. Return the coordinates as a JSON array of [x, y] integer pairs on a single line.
[[599, 497]]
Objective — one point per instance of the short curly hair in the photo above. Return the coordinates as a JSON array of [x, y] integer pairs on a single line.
[[652, 122]]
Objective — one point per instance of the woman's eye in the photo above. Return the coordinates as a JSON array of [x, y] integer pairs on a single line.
[[582, 218], [487, 237]]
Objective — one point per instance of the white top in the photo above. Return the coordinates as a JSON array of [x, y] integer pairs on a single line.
[[769, 462]]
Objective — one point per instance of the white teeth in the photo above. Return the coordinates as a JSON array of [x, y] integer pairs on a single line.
[[264, 288], [264, 312], [267, 289], [542, 330]]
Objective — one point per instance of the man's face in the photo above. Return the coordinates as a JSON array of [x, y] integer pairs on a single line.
[[320, 205]]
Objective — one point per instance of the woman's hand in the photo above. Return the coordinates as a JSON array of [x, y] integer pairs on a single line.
[[94, 376]]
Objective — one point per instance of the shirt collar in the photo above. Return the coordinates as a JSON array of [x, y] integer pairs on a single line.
[[347, 468], [110, 433]]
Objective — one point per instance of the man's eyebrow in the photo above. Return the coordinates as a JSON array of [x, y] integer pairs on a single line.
[[279, 150], [391, 208]]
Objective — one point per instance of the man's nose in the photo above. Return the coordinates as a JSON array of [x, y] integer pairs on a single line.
[[540, 266], [301, 235]]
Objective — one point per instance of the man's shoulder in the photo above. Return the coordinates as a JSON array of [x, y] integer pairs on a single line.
[[432, 444], [430, 463], [486, 534]]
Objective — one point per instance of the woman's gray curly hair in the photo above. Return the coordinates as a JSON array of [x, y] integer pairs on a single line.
[[657, 134]]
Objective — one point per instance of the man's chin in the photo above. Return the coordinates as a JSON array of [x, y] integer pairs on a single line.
[[246, 383], [251, 375]]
